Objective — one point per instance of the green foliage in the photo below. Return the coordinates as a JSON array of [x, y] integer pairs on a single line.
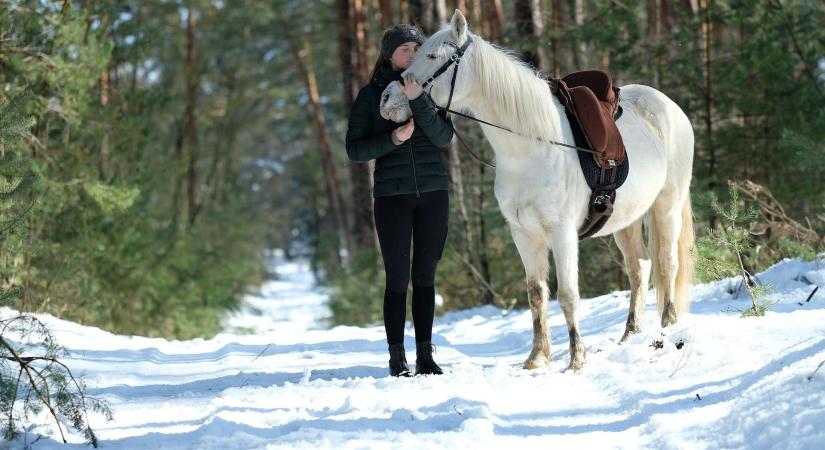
[[723, 252], [96, 225], [720, 249], [112, 198], [110, 239], [32, 379], [792, 248], [760, 305], [358, 294]]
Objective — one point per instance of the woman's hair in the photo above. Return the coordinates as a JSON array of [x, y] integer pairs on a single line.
[[380, 62]]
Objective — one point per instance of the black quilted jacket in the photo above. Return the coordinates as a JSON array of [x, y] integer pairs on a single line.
[[416, 165]]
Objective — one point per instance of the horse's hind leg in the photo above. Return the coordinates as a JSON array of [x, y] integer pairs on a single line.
[[533, 251], [637, 262], [565, 244], [665, 225]]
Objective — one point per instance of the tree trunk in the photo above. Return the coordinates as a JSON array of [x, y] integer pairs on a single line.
[[484, 261], [105, 151], [303, 60], [105, 93], [222, 150], [556, 29], [191, 133], [476, 23], [361, 48], [2, 63], [404, 11], [386, 13], [530, 28], [579, 48], [461, 5], [459, 198], [668, 15], [357, 49], [707, 30], [345, 50], [138, 24], [421, 15], [439, 14], [492, 17], [654, 23]]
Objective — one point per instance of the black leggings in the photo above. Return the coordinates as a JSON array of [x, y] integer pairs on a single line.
[[424, 219]]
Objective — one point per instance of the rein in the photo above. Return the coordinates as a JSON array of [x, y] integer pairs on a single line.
[[466, 147], [455, 58]]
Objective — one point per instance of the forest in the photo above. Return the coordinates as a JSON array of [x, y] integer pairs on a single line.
[[152, 150]]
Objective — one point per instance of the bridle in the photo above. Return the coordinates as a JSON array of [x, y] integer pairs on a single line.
[[455, 59]]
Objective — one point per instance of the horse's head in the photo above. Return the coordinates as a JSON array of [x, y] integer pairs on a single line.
[[432, 55]]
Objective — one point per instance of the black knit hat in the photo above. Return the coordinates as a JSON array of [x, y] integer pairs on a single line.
[[397, 35]]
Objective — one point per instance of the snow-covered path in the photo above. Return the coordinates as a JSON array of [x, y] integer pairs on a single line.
[[293, 302], [735, 383]]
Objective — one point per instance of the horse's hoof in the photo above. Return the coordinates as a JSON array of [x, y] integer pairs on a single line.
[[575, 365], [668, 315], [629, 331], [536, 362]]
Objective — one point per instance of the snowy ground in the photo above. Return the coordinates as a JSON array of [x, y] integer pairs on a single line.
[[275, 379]]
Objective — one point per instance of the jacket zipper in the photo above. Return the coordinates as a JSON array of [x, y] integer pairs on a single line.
[[415, 179]]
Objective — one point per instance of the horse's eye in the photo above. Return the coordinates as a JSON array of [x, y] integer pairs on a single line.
[[431, 55]]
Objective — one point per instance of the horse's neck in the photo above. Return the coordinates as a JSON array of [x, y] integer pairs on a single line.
[[517, 100], [519, 152]]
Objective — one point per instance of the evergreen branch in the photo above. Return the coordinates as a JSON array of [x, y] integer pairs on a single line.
[[777, 4], [41, 327], [73, 405], [10, 294], [80, 394], [8, 225], [24, 365], [11, 406]]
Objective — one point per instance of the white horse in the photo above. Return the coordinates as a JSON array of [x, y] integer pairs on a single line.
[[541, 190]]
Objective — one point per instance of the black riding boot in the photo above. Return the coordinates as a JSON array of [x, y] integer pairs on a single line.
[[424, 364], [398, 361]]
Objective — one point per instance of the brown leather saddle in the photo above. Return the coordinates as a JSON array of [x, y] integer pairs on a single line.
[[592, 106]]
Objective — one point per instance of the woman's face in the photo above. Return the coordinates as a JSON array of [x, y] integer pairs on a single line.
[[403, 55]]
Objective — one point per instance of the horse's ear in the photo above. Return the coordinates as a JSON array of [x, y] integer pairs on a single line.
[[459, 25]]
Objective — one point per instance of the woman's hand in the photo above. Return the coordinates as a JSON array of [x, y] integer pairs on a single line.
[[411, 87], [402, 133]]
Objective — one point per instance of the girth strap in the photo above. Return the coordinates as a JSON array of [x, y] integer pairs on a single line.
[[603, 183]]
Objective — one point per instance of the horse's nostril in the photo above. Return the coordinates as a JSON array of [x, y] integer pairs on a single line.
[[386, 97]]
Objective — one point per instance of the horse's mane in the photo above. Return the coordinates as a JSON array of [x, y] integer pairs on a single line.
[[520, 94]]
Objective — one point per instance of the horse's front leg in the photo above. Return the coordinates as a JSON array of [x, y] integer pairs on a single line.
[[533, 250], [565, 244]]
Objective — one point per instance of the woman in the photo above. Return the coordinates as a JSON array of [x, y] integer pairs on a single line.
[[411, 194]]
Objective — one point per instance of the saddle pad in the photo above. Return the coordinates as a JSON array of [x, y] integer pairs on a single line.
[[590, 169]]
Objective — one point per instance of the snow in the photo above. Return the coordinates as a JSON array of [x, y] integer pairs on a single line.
[[278, 378]]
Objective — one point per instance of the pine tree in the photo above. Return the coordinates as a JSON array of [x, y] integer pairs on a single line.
[[723, 251], [32, 377]]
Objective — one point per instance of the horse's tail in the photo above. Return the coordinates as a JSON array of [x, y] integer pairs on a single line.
[[686, 259]]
